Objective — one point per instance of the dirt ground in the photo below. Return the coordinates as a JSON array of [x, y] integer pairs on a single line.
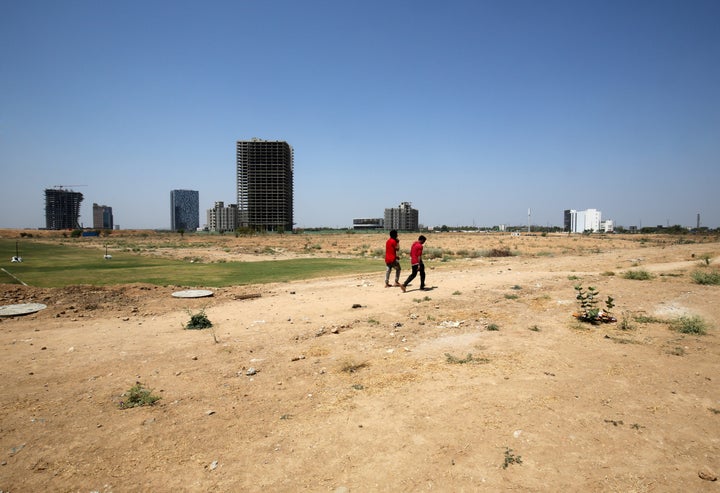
[[484, 383]]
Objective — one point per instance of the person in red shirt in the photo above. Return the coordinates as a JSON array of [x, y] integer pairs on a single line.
[[392, 247], [416, 251]]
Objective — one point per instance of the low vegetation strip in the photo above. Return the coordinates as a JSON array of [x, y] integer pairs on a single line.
[[47, 265]]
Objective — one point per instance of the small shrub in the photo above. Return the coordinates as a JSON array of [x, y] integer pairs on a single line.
[[457, 293], [511, 296], [638, 275], [511, 458], [625, 323], [493, 327], [648, 319], [138, 396], [690, 325], [711, 278], [589, 310], [499, 252], [199, 321]]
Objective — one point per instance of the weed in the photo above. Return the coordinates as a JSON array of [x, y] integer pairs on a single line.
[[535, 328], [468, 359], [711, 278], [199, 321], [516, 287], [510, 458], [621, 340], [573, 278], [493, 327], [457, 293], [690, 325], [511, 296], [138, 396], [625, 323], [713, 410], [431, 253], [420, 300], [677, 351], [648, 319], [372, 321], [351, 367], [638, 275], [608, 273]]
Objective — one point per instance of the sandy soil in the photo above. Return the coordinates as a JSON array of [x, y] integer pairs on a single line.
[[340, 384]]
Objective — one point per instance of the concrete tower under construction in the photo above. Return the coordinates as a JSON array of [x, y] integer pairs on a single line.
[[265, 185], [62, 208]]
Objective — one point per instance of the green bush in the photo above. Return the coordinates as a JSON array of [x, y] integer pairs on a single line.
[[138, 396], [638, 275], [199, 321], [706, 277], [690, 325]]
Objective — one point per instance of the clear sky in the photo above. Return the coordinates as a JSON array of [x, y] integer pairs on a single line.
[[474, 111]]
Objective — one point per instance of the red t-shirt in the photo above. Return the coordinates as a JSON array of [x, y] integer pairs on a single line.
[[391, 247], [415, 253]]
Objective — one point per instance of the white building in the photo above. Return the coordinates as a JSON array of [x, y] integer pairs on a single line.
[[582, 221]]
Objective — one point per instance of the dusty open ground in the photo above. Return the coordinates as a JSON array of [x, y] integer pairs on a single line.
[[342, 385]]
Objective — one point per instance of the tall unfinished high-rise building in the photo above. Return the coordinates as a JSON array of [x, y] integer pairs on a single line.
[[402, 218], [62, 208], [265, 185]]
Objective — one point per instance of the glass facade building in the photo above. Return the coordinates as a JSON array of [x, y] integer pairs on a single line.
[[184, 210]]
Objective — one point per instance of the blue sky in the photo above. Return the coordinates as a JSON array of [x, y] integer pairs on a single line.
[[473, 111]]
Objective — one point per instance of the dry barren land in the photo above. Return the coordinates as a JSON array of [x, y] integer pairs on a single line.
[[487, 382]]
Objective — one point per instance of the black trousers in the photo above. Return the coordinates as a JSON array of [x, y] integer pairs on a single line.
[[415, 269]]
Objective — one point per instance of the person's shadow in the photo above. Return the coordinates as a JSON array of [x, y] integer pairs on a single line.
[[426, 288]]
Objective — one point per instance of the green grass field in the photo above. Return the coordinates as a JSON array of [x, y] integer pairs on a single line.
[[57, 265]]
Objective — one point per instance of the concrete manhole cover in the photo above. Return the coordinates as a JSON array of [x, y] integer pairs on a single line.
[[21, 309], [193, 293]]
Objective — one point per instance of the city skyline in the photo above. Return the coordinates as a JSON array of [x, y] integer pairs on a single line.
[[473, 111]]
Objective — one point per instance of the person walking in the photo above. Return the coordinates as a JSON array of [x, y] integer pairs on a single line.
[[392, 247], [416, 251]]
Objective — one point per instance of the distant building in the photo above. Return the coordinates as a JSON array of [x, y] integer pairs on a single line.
[[184, 210], [368, 223], [402, 218], [62, 208], [607, 226], [582, 221], [265, 185], [102, 217], [221, 218]]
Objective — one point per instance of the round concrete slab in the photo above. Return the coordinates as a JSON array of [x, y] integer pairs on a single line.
[[193, 293], [21, 309]]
